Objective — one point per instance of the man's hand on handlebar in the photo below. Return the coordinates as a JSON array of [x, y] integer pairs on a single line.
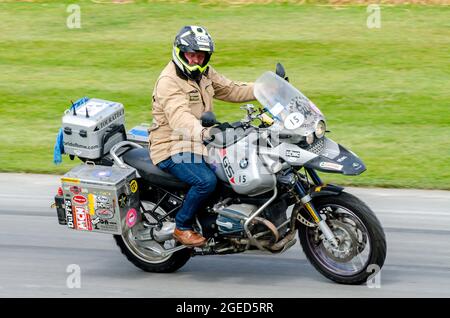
[[208, 133]]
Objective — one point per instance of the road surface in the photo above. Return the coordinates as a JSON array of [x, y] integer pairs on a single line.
[[38, 256]]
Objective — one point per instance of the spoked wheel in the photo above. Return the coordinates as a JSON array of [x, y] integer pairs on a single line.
[[361, 240], [143, 254]]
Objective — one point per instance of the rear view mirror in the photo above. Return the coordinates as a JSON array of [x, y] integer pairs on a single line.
[[281, 72]]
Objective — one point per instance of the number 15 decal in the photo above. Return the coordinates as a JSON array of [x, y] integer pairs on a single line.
[[294, 120], [241, 179]]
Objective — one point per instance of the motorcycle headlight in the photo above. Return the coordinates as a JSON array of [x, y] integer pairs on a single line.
[[320, 129], [310, 139]]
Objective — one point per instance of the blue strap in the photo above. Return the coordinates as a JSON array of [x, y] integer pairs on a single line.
[[59, 148], [79, 102]]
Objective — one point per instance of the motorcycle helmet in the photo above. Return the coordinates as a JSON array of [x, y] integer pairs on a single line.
[[192, 38]]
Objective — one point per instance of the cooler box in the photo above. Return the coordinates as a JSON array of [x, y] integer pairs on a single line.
[[92, 127], [101, 198]]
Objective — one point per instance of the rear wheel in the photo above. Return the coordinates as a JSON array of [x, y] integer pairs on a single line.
[[142, 254], [148, 260], [362, 242]]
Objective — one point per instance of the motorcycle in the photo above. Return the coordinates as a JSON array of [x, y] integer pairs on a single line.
[[268, 193]]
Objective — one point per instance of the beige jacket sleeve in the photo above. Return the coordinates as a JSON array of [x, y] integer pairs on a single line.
[[174, 103], [229, 91]]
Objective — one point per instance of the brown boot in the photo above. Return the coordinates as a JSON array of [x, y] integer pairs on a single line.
[[188, 237]]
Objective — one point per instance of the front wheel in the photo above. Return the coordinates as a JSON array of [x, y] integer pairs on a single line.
[[362, 242]]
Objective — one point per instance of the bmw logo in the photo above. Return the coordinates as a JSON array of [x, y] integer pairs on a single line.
[[243, 163]]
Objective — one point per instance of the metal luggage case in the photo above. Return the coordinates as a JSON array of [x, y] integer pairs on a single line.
[[92, 126], [101, 198]]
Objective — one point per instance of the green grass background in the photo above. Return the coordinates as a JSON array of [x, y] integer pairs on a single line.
[[385, 92]]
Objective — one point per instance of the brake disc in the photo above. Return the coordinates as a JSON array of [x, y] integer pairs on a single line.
[[348, 242]]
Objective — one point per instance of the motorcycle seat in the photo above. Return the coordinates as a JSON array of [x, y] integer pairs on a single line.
[[139, 158]]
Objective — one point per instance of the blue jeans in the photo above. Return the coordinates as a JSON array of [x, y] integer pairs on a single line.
[[193, 170]]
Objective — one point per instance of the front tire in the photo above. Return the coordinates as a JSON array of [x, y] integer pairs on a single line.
[[362, 240]]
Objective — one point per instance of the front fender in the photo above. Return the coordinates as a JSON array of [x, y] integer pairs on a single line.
[[325, 190]]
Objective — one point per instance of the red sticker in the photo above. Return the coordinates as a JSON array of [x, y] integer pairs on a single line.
[[79, 199], [105, 214], [75, 189], [82, 219], [131, 217], [222, 152]]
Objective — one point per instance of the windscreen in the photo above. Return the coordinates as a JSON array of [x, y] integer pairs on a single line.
[[289, 107]]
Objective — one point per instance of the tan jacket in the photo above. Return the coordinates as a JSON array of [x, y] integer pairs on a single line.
[[178, 103]]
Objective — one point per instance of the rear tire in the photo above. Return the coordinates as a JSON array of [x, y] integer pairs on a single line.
[[143, 258], [166, 265], [375, 237]]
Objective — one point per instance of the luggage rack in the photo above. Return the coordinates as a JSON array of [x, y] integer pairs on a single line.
[[115, 157]]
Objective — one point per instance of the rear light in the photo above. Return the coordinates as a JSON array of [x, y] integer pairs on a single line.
[[59, 205]]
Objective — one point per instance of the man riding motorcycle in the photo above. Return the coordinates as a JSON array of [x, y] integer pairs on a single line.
[[184, 90]]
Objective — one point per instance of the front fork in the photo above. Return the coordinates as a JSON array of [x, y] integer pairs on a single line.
[[306, 200]]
